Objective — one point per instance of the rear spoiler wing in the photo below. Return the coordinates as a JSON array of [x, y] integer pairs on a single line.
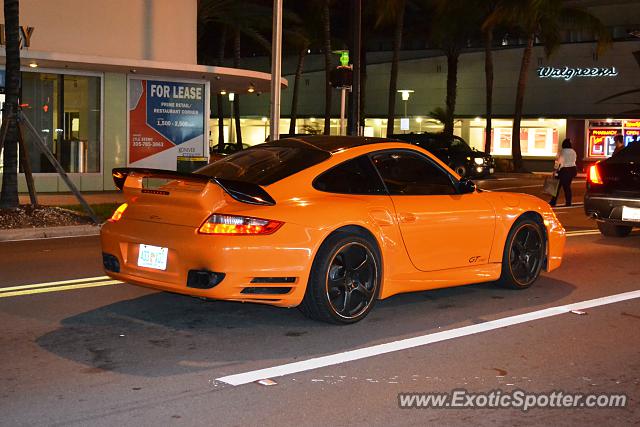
[[244, 192]]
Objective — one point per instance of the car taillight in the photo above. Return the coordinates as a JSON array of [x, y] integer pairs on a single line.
[[594, 175], [232, 224], [118, 213]]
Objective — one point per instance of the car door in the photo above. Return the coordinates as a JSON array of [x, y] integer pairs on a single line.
[[441, 228]]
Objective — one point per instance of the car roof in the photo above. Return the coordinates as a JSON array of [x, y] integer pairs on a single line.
[[331, 143]]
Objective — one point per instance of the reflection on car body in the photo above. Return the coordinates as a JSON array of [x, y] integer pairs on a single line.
[[454, 151]]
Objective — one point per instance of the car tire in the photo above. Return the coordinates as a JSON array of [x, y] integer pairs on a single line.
[[461, 170], [613, 230], [523, 256], [345, 279]]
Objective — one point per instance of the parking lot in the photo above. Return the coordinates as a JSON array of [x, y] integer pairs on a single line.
[[78, 348]]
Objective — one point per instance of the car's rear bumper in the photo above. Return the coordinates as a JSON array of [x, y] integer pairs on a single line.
[[281, 261], [608, 208]]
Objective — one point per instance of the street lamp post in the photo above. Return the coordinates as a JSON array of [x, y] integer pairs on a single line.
[[276, 70], [232, 137], [405, 97], [354, 107]]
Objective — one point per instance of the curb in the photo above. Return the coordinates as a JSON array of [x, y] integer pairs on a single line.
[[49, 232]]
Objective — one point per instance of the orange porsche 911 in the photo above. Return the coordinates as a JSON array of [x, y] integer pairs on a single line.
[[328, 224]]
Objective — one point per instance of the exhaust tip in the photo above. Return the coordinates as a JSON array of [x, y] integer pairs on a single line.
[[110, 263], [203, 279]]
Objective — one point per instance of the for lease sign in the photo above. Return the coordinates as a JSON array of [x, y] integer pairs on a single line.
[[166, 120]]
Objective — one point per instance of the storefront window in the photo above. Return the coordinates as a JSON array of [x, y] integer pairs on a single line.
[[538, 138], [601, 134], [65, 109]]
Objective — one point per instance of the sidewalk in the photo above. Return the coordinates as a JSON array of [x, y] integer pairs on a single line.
[[525, 175], [63, 199]]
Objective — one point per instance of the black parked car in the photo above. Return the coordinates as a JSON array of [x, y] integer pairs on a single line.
[[613, 192], [455, 152]]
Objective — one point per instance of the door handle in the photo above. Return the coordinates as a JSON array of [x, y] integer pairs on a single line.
[[406, 217]]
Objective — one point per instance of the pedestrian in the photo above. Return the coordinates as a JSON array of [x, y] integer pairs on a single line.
[[565, 167], [619, 141]]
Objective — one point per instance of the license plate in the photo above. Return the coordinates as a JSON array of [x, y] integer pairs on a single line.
[[490, 170], [152, 257], [630, 214]]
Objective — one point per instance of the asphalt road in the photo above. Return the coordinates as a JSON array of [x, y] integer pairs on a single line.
[[121, 355]]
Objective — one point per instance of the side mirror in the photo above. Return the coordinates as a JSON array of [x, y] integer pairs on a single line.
[[466, 186]]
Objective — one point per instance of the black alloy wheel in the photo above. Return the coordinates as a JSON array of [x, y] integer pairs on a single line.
[[351, 280], [344, 281], [523, 255]]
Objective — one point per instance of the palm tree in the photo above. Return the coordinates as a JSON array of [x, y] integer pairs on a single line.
[[453, 24], [9, 195], [487, 35], [299, 35], [542, 20], [392, 12], [240, 19]]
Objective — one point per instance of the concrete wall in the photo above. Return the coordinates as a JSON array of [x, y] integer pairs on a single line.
[[161, 30], [579, 97]]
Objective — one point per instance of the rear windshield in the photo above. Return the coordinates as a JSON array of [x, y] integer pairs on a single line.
[[265, 164]]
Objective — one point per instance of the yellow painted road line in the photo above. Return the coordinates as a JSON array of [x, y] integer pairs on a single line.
[[61, 282], [582, 233], [59, 288]]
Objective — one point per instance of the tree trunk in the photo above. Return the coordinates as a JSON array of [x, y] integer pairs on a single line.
[[296, 88], [452, 88], [393, 77], [516, 151], [326, 24], [236, 99], [219, 97], [9, 195], [488, 72]]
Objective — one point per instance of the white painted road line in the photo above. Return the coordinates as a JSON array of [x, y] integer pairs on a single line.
[[376, 350]]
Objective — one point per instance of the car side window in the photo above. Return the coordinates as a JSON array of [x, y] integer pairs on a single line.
[[459, 145], [408, 173], [355, 176]]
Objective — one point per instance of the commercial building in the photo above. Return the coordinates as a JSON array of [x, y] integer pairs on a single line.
[[111, 84], [578, 92]]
